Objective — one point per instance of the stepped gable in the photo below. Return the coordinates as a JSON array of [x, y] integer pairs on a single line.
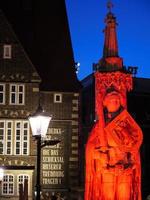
[[18, 67]]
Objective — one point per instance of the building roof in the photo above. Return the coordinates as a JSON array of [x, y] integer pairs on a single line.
[[19, 67], [141, 85], [45, 35]]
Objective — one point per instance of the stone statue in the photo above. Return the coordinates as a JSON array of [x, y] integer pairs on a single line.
[[112, 152]]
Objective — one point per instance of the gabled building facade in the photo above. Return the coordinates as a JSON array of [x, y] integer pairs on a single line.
[[19, 83]]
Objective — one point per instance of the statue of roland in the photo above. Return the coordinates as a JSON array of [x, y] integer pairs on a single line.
[[112, 153]]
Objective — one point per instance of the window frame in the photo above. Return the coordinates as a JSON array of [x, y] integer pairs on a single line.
[[55, 98], [16, 94], [3, 138], [21, 141], [18, 182], [3, 93], [8, 185], [9, 136], [6, 137], [7, 51]]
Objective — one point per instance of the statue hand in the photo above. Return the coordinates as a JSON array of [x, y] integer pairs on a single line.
[[102, 149], [101, 155]]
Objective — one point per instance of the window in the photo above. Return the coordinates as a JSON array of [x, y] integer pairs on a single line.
[[14, 129], [58, 98], [5, 135], [8, 185], [2, 134], [12, 180], [8, 137], [21, 180], [2, 93], [7, 52], [22, 138], [16, 94]]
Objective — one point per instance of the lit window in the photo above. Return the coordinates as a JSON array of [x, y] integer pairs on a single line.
[[58, 98], [18, 138], [21, 135], [8, 185], [21, 180], [5, 137], [17, 94], [25, 138], [2, 93], [22, 138], [2, 136], [8, 137], [7, 54]]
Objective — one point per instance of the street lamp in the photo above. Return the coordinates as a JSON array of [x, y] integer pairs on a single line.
[[39, 122]]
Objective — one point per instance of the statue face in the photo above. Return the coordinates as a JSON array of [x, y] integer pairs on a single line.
[[112, 101]]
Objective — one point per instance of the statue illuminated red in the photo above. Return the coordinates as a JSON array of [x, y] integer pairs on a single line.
[[112, 150]]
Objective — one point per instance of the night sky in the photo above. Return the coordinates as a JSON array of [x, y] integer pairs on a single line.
[[86, 21]]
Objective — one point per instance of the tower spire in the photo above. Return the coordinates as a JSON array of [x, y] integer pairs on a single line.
[[109, 5], [110, 50], [111, 43]]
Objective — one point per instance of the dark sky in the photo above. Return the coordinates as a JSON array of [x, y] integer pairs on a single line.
[[86, 19]]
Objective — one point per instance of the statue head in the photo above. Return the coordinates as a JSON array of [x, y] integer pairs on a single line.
[[112, 100]]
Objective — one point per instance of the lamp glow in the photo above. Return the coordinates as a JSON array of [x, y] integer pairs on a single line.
[[39, 125], [39, 122]]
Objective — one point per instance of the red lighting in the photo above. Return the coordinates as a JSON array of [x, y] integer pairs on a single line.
[[112, 151]]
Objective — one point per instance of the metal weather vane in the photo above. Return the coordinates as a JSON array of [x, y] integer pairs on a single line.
[[110, 5]]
